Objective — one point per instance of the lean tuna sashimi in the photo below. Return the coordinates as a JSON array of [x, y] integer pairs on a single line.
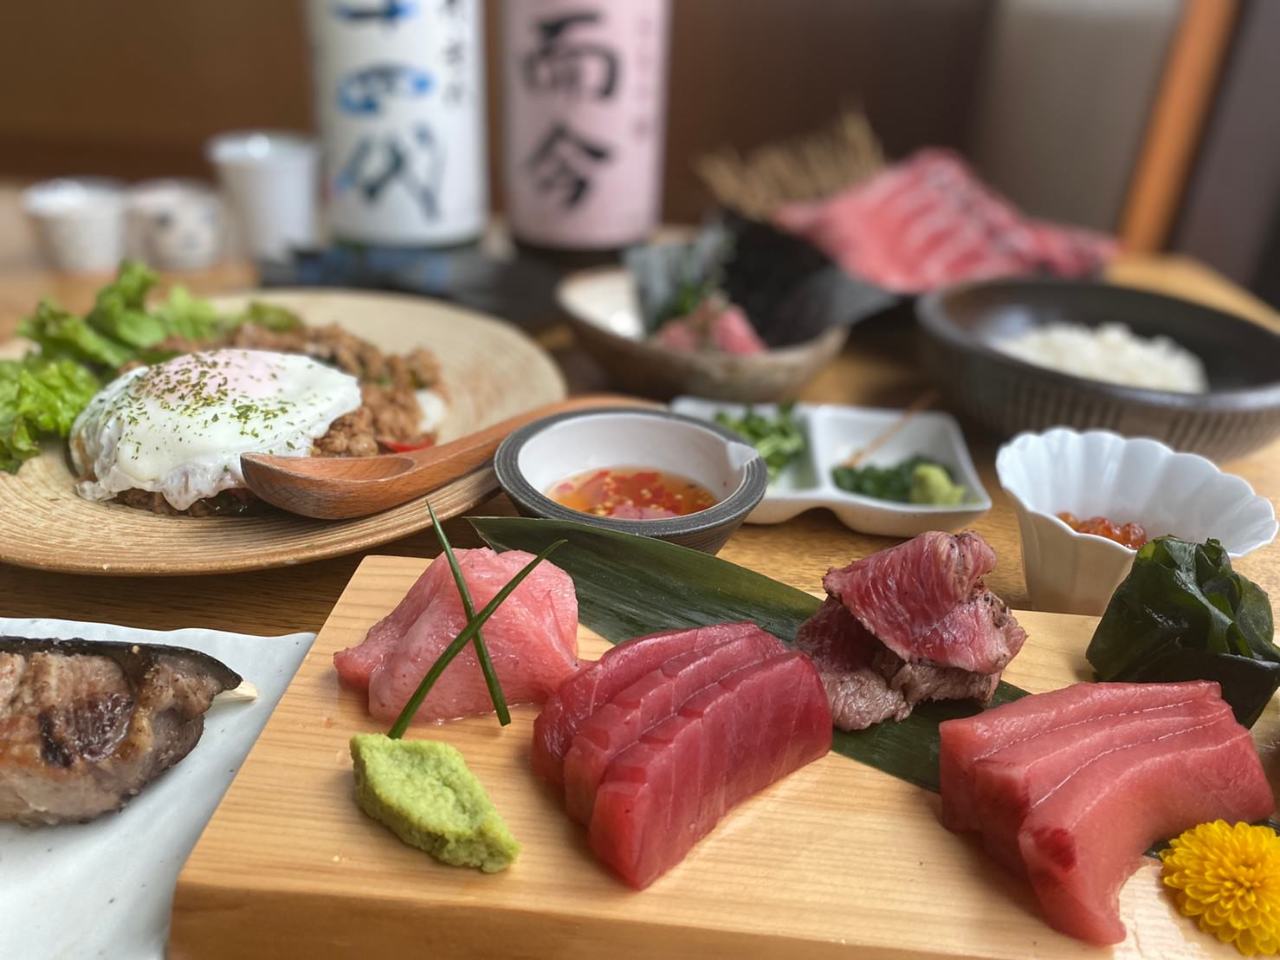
[[1082, 842], [596, 683], [532, 639], [965, 741], [1008, 784], [727, 742], [657, 695]]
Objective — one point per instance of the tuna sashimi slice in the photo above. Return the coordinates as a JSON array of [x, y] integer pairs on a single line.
[[532, 639], [967, 740], [1010, 782], [596, 683], [727, 742], [1082, 842], [654, 697]]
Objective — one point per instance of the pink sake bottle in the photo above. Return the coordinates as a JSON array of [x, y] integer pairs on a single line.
[[585, 84]]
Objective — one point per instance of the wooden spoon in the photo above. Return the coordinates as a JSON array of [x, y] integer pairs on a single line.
[[338, 488]]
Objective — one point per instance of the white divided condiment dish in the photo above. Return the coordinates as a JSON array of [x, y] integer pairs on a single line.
[[833, 433], [105, 888], [1138, 480]]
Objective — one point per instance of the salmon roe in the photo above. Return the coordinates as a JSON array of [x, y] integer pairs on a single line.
[[1130, 534]]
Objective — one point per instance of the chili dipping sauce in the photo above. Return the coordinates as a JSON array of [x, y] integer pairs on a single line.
[[631, 493]]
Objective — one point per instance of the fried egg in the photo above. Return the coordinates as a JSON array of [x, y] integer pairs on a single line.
[[179, 428]]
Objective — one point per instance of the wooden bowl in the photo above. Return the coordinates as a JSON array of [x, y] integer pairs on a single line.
[[602, 310], [1240, 413]]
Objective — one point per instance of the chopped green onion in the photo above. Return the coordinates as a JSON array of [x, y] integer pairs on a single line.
[[468, 607], [460, 641], [779, 439]]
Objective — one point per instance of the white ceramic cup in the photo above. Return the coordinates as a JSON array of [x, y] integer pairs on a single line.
[[79, 223], [174, 224], [270, 181]]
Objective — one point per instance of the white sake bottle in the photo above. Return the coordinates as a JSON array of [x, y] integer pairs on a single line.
[[399, 88]]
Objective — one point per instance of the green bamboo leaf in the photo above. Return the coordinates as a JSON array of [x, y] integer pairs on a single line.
[[629, 586]]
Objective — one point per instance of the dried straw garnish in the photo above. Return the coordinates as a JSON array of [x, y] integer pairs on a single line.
[[807, 168]]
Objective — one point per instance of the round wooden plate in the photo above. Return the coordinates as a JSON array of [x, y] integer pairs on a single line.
[[490, 370]]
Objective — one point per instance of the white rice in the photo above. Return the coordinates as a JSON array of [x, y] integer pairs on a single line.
[[1110, 352]]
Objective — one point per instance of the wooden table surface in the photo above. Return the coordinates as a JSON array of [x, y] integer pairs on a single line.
[[875, 369]]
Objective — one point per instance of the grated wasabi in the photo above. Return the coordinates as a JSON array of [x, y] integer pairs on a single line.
[[931, 483], [424, 793]]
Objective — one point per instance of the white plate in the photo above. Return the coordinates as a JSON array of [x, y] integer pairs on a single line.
[[104, 888], [834, 432]]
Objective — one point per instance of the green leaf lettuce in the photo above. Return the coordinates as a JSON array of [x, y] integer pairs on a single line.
[[39, 396]]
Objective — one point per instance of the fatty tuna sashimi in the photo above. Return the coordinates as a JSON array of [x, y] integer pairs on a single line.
[[657, 695], [355, 664], [1008, 784], [1082, 842], [727, 742], [596, 683], [532, 639], [966, 741]]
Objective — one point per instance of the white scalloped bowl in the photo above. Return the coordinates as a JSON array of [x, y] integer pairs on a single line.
[[1100, 473]]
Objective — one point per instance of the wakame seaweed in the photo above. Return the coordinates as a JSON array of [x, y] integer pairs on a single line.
[[1184, 614]]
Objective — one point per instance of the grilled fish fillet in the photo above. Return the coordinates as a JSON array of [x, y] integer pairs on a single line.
[[85, 725]]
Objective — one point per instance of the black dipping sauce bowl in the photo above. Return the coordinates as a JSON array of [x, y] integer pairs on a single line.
[[543, 453]]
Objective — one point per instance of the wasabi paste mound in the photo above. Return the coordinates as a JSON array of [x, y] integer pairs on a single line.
[[423, 792]]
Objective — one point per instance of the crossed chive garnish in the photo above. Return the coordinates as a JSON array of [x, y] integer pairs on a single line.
[[469, 634]]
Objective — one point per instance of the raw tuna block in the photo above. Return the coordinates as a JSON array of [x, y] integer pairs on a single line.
[[727, 742], [594, 684]]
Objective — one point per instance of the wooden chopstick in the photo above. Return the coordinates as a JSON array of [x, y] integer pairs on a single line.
[[922, 402]]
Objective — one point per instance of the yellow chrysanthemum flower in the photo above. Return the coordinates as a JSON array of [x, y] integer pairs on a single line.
[[1228, 878]]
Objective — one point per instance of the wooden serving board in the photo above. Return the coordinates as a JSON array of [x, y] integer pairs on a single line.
[[838, 860]]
